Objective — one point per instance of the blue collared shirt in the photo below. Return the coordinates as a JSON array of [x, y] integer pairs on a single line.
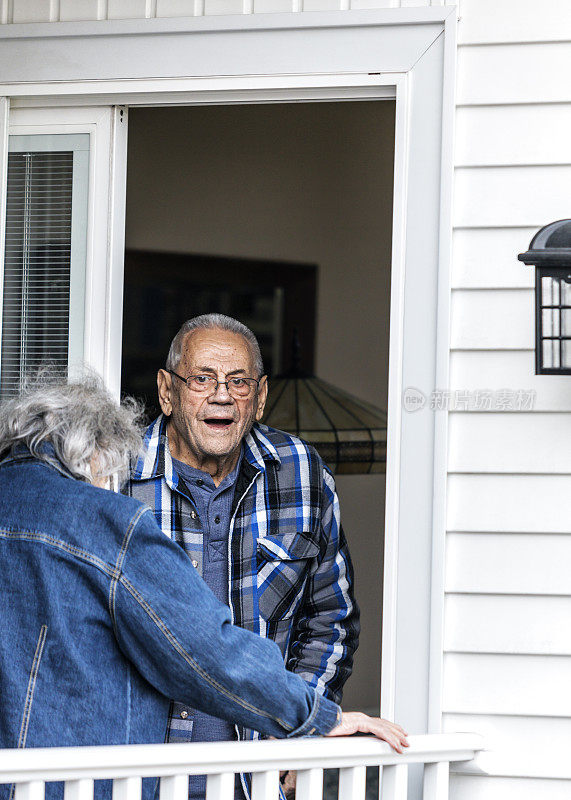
[[213, 505], [208, 552]]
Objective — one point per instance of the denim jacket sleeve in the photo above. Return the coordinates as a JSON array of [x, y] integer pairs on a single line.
[[327, 627], [181, 639]]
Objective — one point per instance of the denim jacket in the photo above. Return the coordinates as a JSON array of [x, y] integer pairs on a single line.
[[94, 642]]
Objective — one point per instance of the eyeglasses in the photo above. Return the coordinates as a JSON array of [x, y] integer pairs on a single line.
[[238, 388]]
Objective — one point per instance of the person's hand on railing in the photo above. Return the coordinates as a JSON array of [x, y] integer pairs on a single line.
[[356, 722]]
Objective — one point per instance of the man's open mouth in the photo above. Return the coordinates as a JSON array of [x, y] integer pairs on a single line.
[[217, 423]]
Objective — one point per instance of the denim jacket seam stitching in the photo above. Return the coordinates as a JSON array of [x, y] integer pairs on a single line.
[[190, 661], [313, 712], [58, 544], [119, 566], [32, 686]]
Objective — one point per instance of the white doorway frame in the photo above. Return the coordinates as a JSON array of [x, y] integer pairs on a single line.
[[409, 54]]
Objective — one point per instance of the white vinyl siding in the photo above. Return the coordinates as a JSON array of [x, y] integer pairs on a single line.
[[485, 442], [495, 369], [495, 683], [493, 319], [485, 136], [128, 9], [490, 21], [484, 788], [510, 196], [509, 503], [515, 624], [31, 11], [515, 73], [484, 563], [76, 10], [483, 258], [507, 658], [511, 734]]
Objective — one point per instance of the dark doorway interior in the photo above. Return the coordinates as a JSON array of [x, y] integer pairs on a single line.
[[277, 188], [274, 299]]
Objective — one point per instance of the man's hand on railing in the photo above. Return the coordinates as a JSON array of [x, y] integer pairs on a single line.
[[356, 722]]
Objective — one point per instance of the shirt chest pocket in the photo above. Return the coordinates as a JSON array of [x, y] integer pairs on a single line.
[[284, 565]]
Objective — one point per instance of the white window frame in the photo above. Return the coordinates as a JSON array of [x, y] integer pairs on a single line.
[[409, 53], [99, 302]]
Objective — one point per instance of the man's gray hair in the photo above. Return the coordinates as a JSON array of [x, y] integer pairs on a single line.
[[79, 419], [209, 322]]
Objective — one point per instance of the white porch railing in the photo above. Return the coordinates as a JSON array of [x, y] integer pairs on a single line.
[[30, 769]]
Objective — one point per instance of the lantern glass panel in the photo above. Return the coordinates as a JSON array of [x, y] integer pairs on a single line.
[[565, 314], [550, 322], [547, 290], [550, 349], [553, 321], [566, 354]]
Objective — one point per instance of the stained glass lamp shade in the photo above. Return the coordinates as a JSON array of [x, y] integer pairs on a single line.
[[349, 434]]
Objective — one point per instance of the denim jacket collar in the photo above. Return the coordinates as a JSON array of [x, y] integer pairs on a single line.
[[45, 455]]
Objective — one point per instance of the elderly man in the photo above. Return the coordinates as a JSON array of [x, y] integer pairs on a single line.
[[254, 508]]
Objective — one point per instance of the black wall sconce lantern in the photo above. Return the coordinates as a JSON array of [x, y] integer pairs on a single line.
[[550, 253]]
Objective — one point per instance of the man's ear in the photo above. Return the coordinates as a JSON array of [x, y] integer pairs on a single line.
[[164, 386], [262, 397]]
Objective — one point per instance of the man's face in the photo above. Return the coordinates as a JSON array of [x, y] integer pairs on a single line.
[[210, 427]]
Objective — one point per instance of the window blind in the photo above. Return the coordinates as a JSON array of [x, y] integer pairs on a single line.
[[36, 302]]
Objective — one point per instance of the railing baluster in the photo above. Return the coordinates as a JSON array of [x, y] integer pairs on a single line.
[[436, 781], [33, 790], [127, 788], [79, 790], [220, 787], [309, 784], [174, 787], [265, 785], [31, 770], [395, 779], [352, 783]]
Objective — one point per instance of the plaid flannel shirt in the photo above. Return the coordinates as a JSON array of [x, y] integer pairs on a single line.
[[290, 573]]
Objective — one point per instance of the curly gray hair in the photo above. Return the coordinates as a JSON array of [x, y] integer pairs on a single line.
[[208, 322], [79, 418]]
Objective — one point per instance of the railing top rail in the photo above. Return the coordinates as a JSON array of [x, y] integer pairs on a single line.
[[116, 761]]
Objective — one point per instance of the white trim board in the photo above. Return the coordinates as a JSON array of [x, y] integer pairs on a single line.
[[285, 44], [298, 57], [207, 91], [4, 135], [209, 23]]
